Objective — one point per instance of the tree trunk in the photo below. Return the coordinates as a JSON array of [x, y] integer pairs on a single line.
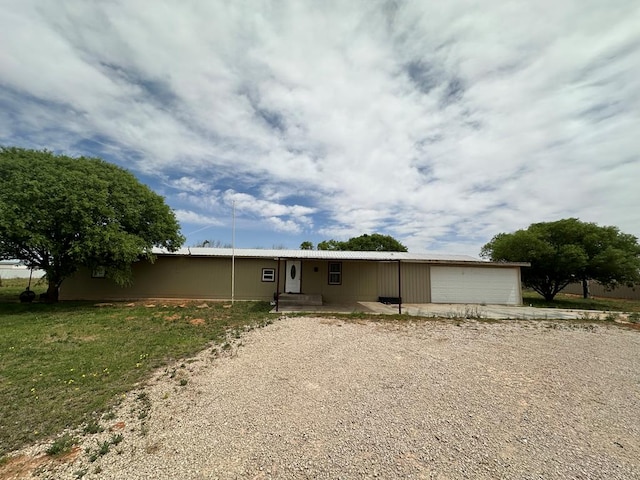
[[585, 288], [52, 291], [548, 296]]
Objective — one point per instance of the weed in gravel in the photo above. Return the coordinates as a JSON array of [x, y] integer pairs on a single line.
[[183, 382], [103, 447], [92, 427], [93, 456], [61, 445], [468, 312], [144, 405], [612, 317], [109, 415], [80, 473]]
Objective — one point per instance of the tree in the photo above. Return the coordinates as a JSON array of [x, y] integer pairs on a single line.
[[365, 243], [567, 251], [306, 245], [331, 245], [212, 244], [59, 214]]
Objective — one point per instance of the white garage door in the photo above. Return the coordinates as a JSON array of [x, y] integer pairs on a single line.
[[475, 285]]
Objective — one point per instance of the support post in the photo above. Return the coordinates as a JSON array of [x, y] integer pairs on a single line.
[[233, 253], [278, 287], [399, 288]]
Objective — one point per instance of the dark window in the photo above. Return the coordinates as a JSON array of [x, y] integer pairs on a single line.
[[99, 272], [335, 273], [268, 274]]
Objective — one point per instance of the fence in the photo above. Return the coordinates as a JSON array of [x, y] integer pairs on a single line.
[[597, 290]]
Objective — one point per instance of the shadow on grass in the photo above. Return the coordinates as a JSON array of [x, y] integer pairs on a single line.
[[575, 302], [17, 308]]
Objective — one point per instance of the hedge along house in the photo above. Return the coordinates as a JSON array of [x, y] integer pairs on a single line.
[[307, 277]]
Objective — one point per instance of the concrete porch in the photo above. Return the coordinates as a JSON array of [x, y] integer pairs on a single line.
[[300, 299]]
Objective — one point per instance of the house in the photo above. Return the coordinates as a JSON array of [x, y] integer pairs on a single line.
[[327, 277]]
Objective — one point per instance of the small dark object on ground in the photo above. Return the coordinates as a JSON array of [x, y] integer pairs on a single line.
[[27, 296], [389, 300]]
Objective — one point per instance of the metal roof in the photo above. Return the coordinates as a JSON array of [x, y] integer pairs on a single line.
[[330, 255]]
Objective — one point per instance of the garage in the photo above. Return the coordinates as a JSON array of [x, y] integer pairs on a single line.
[[462, 284]]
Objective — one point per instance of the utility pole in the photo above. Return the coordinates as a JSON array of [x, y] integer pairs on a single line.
[[233, 252]]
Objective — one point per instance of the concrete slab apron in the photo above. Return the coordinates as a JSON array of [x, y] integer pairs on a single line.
[[485, 311], [450, 310]]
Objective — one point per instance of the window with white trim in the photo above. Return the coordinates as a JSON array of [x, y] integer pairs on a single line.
[[268, 274], [335, 273], [99, 272]]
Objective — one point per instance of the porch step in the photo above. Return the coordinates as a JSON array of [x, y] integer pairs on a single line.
[[300, 299]]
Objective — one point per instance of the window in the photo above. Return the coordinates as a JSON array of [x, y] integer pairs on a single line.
[[335, 273], [268, 274], [98, 272]]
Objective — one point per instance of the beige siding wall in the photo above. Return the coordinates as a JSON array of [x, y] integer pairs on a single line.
[[388, 279], [415, 281], [359, 282], [416, 287], [178, 277], [314, 276], [210, 278], [598, 290]]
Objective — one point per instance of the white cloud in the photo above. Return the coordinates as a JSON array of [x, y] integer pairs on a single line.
[[281, 225], [190, 184], [188, 216], [440, 124], [249, 203]]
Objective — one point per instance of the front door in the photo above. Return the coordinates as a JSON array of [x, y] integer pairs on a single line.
[[294, 271]]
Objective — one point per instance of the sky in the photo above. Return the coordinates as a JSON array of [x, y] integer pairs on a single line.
[[438, 123]]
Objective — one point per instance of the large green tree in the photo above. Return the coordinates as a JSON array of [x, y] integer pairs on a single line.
[[59, 213], [365, 243], [567, 251]]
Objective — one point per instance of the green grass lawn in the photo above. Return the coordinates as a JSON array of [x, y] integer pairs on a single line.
[[574, 302], [62, 363]]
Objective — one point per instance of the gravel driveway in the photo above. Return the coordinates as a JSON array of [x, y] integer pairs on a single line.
[[324, 398]]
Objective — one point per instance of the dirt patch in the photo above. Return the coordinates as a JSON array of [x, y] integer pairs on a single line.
[[197, 321], [22, 466], [117, 426]]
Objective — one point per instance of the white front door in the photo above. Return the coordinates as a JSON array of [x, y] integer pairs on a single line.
[[294, 271]]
